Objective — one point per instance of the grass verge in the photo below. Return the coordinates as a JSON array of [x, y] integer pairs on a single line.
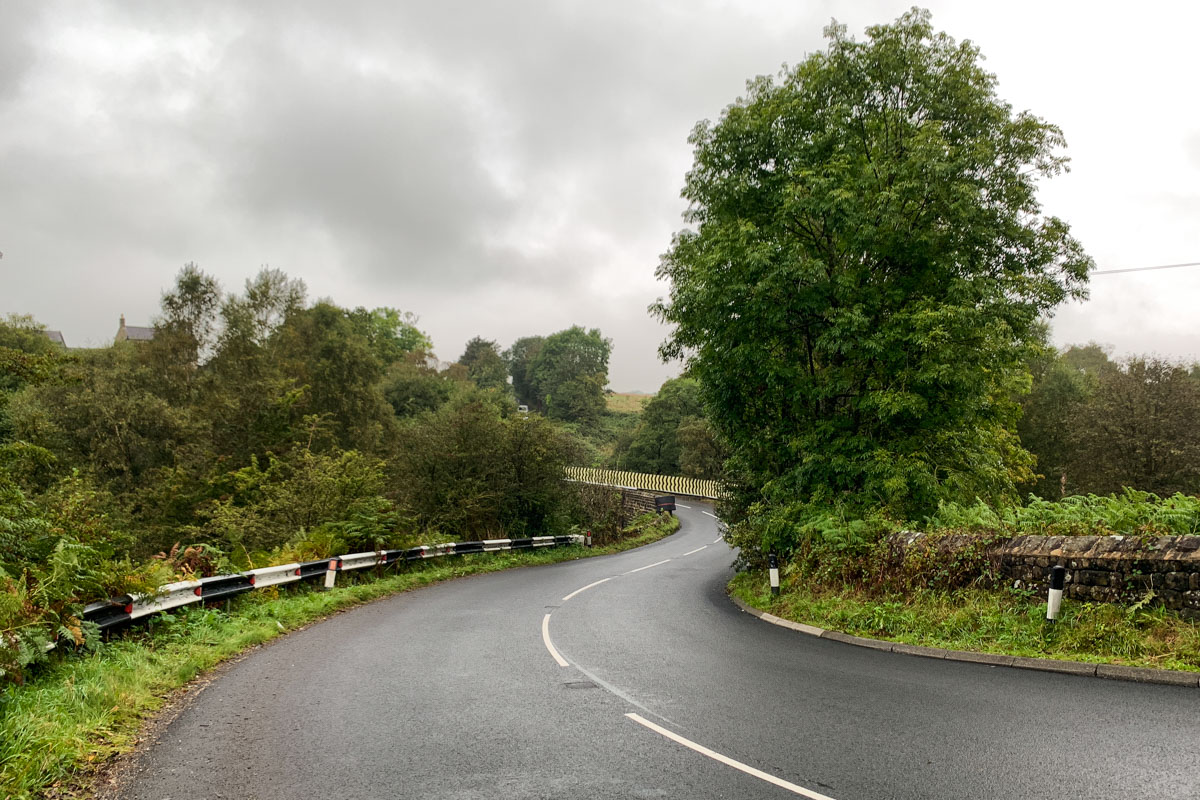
[[82, 710], [990, 621]]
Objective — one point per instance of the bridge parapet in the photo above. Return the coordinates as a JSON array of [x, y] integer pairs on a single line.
[[663, 484]]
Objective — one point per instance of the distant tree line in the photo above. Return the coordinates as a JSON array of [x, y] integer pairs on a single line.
[[257, 426], [1097, 425], [672, 436]]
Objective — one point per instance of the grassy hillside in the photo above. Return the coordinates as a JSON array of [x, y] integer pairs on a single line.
[[627, 402]]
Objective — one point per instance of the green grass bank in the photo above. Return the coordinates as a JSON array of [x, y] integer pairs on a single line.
[[1006, 622]]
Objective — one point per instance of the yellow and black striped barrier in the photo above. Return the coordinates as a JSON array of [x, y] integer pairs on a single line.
[[667, 484]]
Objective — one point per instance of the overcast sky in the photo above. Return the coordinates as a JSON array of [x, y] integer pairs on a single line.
[[505, 169]]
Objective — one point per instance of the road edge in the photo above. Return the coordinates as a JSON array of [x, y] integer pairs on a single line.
[[1117, 672]]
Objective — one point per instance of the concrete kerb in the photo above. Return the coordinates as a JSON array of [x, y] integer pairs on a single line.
[[1107, 671]]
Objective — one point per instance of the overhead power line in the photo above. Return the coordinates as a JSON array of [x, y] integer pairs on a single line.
[[1145, 269]]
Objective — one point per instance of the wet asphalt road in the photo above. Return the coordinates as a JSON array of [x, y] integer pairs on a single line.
[[451, 692]]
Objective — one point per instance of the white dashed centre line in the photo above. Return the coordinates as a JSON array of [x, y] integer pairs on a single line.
[[697, 550], [681, 505], [585, 588], [562, 662], [648, 566], [729, 762], [709, 513]]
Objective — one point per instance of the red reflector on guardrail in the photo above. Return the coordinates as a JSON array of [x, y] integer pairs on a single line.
[[197, 591], [253, 579], [129, 608]]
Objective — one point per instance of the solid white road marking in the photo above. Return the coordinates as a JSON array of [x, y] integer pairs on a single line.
[[726, 760], [648, 566], [562, 662], [697, 550], [584, 589]]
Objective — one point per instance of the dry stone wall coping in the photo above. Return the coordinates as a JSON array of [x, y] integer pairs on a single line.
[[1110, 569]]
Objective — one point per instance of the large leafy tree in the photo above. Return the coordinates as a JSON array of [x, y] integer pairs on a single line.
[[185, 335], [1098, 426], [520, 359], [485, 365], [569, 373], [416, 385], [102, 414], [468, 470], [27, 357], [392, 334], [252, 395], [867, 265], [326, 352], [1139, 429], [1050, 419], [670, 429]]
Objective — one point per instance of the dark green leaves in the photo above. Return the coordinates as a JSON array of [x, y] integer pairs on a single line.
[[868, 263]]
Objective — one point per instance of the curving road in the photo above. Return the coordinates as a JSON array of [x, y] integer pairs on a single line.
[[456, 691]]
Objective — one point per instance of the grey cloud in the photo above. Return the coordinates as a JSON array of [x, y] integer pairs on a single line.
[[386, 168], [482, 164], [18, 23]]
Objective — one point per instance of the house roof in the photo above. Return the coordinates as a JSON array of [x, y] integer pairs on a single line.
[[56, 337], [134, 333]]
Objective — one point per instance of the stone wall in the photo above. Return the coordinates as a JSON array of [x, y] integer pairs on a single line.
[[1109, 569], [635, 502]]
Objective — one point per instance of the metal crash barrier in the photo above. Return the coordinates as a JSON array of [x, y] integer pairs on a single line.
[[117, 612]]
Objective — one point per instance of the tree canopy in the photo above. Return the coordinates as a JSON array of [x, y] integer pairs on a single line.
[[257, 428], [520, 359], [485, 365], [569, 373], [1097, 425], [672, 436], [867, 265]]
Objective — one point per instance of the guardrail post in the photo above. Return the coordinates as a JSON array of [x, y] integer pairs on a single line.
[[773, 563], [1058, 575]]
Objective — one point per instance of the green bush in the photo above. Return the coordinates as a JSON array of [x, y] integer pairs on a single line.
[[54, 559], [264, 509], [1130, 513], [823, 539], [476, 469]]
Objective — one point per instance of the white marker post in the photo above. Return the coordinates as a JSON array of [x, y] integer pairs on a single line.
[[589, 538], [331, 573], [773, 563], [1058, 575]]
